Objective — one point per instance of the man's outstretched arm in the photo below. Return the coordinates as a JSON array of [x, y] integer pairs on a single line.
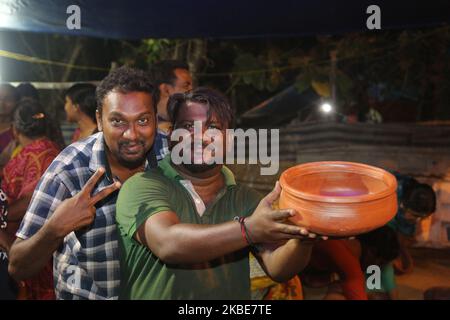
[[182, 243], [27, 257]]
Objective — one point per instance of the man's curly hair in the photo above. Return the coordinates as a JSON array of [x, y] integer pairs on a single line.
[[125, 80]]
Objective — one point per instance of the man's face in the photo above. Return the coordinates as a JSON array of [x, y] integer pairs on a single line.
[[190, 113], [69, 107], [7, 101], [128, 123], [182, 83]]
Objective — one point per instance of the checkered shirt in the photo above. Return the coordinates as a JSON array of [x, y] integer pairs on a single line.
[[86, 265]]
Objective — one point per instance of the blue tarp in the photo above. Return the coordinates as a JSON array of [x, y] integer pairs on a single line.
[[216, 19]]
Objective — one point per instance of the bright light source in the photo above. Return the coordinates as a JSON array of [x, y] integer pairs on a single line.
[[326, 107]]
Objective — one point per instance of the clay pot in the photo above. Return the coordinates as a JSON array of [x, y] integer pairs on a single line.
[[339, 198]]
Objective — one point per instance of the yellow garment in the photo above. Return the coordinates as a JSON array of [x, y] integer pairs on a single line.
[[271, 290], [16, 151]]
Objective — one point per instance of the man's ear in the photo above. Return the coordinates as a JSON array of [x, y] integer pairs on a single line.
[[164, 90], [98, 116]]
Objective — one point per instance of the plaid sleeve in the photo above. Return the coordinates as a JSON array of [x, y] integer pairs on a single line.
[[49, 193], [161, 145]]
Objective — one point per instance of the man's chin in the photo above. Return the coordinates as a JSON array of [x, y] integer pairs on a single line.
[[131, 162], [198, 168]]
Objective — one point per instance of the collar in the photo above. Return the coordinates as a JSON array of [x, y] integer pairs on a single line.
[[170, 172]]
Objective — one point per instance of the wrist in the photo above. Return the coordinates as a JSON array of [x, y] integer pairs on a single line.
[[249, 226], [53, 231]]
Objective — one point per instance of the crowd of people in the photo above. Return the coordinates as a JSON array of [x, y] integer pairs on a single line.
[[111, 216]]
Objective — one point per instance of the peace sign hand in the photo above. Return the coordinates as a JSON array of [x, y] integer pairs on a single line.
[[79, 211]]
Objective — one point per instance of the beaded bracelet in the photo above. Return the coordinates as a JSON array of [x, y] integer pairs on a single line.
[[245, 234]]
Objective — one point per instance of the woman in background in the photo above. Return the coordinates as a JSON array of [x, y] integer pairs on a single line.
[[20, 177], [81, 106], [8, 101]]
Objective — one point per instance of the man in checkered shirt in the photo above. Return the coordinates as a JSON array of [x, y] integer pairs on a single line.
[[72, 213]]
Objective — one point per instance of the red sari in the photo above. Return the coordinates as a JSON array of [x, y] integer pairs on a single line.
[[20, 177]]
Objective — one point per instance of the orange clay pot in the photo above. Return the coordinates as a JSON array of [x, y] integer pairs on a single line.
[[339, 198]]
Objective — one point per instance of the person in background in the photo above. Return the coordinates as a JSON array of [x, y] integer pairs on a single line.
[[416, 201], [341, 265], [8, 101], [20, 176], [169, 77], [334, 264], [80, 106], [27, 91], [72, 213], [8, 287], [380, 247], [264, 288]]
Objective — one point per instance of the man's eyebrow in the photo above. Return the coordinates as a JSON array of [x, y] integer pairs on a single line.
[[115, 114], [119, 114]]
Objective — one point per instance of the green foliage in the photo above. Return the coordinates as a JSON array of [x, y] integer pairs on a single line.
[[413, 64], [252, 70]]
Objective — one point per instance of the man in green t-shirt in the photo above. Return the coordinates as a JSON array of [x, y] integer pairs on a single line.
[[179, 238]]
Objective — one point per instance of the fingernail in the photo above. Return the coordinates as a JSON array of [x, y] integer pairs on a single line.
[[303, 231], [118, 184], [101, 169], [325, 238], [312, 235]]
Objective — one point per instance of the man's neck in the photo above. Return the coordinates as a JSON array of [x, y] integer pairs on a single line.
[[207, 184], [86, 126], [24, 141], [162, 109], [118, 170]]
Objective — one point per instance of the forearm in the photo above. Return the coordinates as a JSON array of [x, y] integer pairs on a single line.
[[28, 257], [287, 260], [190, 243]]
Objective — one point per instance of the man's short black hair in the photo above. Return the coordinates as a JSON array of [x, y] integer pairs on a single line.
[[164, 71], [217, 103], [83, 95], [125, 80]]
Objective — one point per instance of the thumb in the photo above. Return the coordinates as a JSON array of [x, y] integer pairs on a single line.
[[273, 195]]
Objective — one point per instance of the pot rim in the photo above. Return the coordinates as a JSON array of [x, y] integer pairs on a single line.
[[344, 166]]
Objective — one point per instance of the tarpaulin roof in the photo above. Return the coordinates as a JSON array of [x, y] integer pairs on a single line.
[[281, 108], [216, 19]]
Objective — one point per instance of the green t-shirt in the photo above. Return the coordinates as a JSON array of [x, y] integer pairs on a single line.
[[143, 274]]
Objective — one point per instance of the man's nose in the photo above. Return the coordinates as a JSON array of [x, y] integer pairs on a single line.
[[130, 133]]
